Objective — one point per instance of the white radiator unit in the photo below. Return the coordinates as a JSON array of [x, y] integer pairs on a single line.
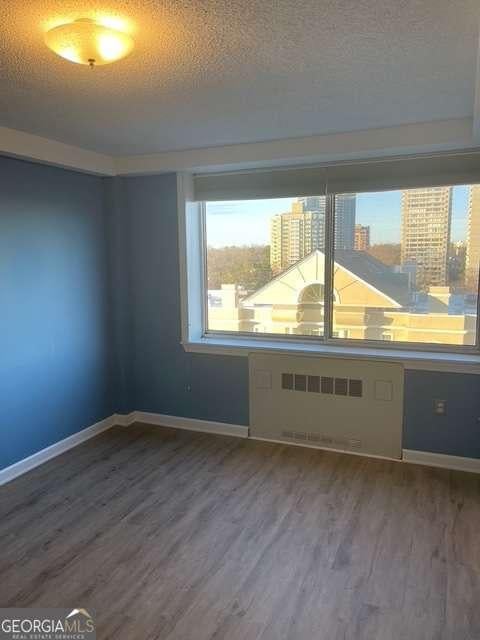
[[347, 405]]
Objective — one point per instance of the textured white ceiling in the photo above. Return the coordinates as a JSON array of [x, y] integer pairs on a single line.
[[213, 72]]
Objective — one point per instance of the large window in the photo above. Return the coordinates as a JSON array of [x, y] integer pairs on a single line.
[[266, 266], [412, 275], [389, 267]]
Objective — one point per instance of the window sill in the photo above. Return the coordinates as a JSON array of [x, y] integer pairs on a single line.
[[420, 360]]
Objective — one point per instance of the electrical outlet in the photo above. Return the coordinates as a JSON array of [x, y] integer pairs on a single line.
[[440, 407]]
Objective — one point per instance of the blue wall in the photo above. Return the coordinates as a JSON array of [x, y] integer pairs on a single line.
[[165, 379], [90, 320], [55, 351], [162, 372], [119, 291], [456, 433]]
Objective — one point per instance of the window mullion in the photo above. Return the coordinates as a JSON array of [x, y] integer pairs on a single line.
[[203, 267], [477, 334], [329, 261]]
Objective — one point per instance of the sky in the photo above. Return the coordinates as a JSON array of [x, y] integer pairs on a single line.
[[248, 222]]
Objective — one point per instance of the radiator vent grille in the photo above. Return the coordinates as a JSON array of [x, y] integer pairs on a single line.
[[341, 386], [322, 440], [327, 384], [287, 380], [300, 382], [355, 388], [354, 443], [342, 404], [322, 384]]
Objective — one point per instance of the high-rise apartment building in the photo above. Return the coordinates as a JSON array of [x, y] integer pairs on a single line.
[[294, 235], [472, 261], [300, 231], [426, 216], [362, 237], [345, 205]]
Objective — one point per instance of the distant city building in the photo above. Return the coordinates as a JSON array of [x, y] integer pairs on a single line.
[[295, 234], [345, 207], [473, 238], [313, 203], [426, 216], [456, 264], [362, 238]]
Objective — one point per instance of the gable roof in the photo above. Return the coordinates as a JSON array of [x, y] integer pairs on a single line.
[[362, 266], [376, 274]]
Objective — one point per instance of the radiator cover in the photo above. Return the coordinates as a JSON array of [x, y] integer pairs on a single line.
[[348, 405]]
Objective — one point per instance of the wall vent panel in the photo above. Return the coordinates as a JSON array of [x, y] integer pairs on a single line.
[[351, 405], [300, 382], [341, 386], [355, 388], [327, 384], [299, 435], [314, 384]]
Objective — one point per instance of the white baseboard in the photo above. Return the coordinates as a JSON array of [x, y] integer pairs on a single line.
[[36, 459], [123, 419], [444, 461], [189, 424], [240, 431], [458, 463]]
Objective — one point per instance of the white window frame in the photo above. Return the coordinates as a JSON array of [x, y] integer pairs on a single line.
[[193, 301]]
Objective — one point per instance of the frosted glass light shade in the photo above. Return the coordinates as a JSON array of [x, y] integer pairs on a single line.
[[87, 42]]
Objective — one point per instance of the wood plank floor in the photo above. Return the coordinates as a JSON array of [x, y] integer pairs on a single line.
[[186, 536]]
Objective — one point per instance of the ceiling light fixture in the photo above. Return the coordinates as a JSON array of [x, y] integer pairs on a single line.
[[85, 41]]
